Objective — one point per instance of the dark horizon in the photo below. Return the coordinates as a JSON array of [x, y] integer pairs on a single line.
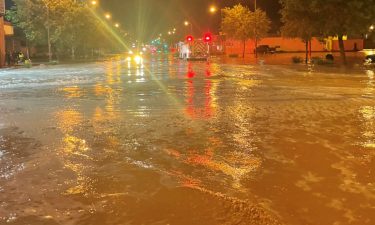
[[147, 18], [150, 17]]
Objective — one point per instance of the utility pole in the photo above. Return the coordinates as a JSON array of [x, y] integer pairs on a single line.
[[48, 34], [256, 30], [49, 37], [2, 34]]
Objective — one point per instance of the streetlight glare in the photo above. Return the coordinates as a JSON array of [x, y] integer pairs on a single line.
[[141, 111], [213, 9]]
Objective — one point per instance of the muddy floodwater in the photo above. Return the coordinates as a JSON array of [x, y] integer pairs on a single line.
[[173, 142]]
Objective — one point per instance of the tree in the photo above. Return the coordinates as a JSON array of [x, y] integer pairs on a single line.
[[74, 21], [236, 23], [261, 25], [62, 25], [242, 24], [299, 21], [30, 18], [340, 18], [332, 17]]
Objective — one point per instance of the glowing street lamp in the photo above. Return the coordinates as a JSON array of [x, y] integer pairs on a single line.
[[108, 16], [213, 9]]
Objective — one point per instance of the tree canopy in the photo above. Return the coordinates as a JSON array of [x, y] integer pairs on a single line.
[[242, 24], [299, 21], [335, 18], [70, 24]]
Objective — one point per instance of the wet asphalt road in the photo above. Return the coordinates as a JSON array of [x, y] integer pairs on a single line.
[[172, 142]]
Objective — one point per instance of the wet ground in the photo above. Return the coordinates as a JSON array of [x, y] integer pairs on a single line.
[[173, 142]]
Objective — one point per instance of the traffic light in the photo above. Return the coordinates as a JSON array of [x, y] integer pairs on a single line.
[[207, 37], [189, 38]]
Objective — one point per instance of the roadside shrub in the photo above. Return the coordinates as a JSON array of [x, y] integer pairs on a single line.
[[297, 59], [330, 57], [28, 63]]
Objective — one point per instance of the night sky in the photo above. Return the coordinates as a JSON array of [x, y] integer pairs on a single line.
[[147, 18], [150, 17]]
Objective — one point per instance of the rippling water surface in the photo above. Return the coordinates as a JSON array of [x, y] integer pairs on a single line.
[[172, 142]]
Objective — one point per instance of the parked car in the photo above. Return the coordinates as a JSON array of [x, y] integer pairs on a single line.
[[265, 49]]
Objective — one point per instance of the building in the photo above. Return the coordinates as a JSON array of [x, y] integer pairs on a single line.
[[2, 33], [331, 44], [6, 33]]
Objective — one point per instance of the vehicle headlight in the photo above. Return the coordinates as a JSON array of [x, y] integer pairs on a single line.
[[138, 59]]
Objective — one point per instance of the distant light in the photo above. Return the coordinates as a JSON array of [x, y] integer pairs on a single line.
[[372, 27], [138, 59], [128, 59], [169, 33], [186, 23], [131, 52], [117, 25], [108, 16], [213, 9], [94, 2]]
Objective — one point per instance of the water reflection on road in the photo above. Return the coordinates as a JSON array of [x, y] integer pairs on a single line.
[[174, 142]]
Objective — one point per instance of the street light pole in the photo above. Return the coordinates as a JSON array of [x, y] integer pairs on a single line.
[[49, 37], [212, 10], [187, 23], [256, 29], [48, 34]]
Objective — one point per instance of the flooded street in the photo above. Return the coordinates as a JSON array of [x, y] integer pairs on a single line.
[[173, 142]]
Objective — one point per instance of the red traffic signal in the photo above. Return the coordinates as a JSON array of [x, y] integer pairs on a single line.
[[207, 37], [189, 38]]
